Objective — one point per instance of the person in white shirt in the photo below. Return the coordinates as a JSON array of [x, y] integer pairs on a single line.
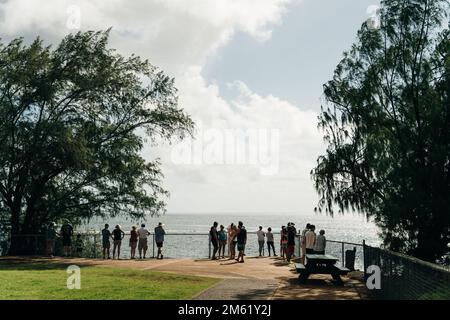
[[310, 239], [303, 242], [321, 243], [142, 245], [261, 235]]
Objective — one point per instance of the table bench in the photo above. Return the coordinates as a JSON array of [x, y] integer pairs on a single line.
[[321, 264]]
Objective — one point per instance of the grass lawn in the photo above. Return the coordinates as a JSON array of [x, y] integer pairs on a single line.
[[48, 282]]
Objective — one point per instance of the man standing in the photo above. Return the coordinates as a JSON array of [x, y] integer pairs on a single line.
[[106, 244], [241, 241], [50, 235], [159, 239], [303, 242], [214, 238], [261, 237], [292, 232], [142, 244], [310, 237], [66, 235]]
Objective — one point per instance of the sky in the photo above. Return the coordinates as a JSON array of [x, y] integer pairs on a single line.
[[249, 72]]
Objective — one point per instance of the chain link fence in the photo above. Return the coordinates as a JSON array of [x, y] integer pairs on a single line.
[[407, 278]]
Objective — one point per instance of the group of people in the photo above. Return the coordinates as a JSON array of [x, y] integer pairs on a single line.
[[138, 239], [236, 236]]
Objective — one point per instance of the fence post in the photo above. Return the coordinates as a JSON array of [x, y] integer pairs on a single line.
[[95, 245], [364, 259], [343, 254], [209, 246], [153, 243]]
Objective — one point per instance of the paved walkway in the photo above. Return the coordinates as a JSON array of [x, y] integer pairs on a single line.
[[257, 278]]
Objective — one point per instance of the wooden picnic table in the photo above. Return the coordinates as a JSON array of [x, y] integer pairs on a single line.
[[321, 264]]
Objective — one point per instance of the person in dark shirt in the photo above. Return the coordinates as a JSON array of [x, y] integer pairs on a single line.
[[214, 237], [241, 241], [118, 235], [291, 234], [133, 241], [106, 244], [66, 235]]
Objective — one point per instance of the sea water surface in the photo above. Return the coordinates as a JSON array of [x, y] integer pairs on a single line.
[[187, 233]]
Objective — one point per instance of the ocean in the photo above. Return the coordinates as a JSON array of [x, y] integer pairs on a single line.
[[187, 233]]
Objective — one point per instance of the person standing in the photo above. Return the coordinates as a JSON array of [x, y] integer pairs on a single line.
[[321, 243], [118, 235], [133, 241], [214, 238], [66, 235], [232, 238], [159, 239], [241, 241], [303, 242], [310, 240], [50, 237], [291, 234], [283, 242], [261, 237], [142, 242], [270, 241], [222, 241], [106, 244]]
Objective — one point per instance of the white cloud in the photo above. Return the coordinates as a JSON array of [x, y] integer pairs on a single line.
[[179, 36]]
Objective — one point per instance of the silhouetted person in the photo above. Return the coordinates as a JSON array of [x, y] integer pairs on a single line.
[[270, 241], [214, 237]]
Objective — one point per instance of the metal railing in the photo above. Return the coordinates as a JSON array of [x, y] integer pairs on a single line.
[[407, 278], [176, 245]]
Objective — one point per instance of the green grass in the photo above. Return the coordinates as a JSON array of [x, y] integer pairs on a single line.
[[48, 282]]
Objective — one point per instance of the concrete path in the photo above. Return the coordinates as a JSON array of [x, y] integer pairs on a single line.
[[257, 278]]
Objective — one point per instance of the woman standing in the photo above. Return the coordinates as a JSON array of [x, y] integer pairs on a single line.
[[133, 241], [283, 242], [118, 235], [232, 233]]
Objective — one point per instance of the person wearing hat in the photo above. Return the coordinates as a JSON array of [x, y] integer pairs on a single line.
[[159, 239], [118, 235], [142, 243], [106, 244]]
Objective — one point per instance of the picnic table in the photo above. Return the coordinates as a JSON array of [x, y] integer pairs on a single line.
[[321, 264]]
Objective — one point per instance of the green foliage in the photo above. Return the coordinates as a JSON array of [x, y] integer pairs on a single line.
[[387, 125], [73, 122]]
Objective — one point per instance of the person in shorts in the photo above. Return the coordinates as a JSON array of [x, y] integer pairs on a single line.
[[106, 244], [133, 241], [159, 239], [66, 235], [142, 244], [241, 241], [222, 234], [118, 235], [50, 237]]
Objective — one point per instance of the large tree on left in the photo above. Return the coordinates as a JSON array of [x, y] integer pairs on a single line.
[[73, 122]]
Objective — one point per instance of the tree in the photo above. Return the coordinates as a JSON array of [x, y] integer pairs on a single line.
[[387, 126], [73, 122]]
